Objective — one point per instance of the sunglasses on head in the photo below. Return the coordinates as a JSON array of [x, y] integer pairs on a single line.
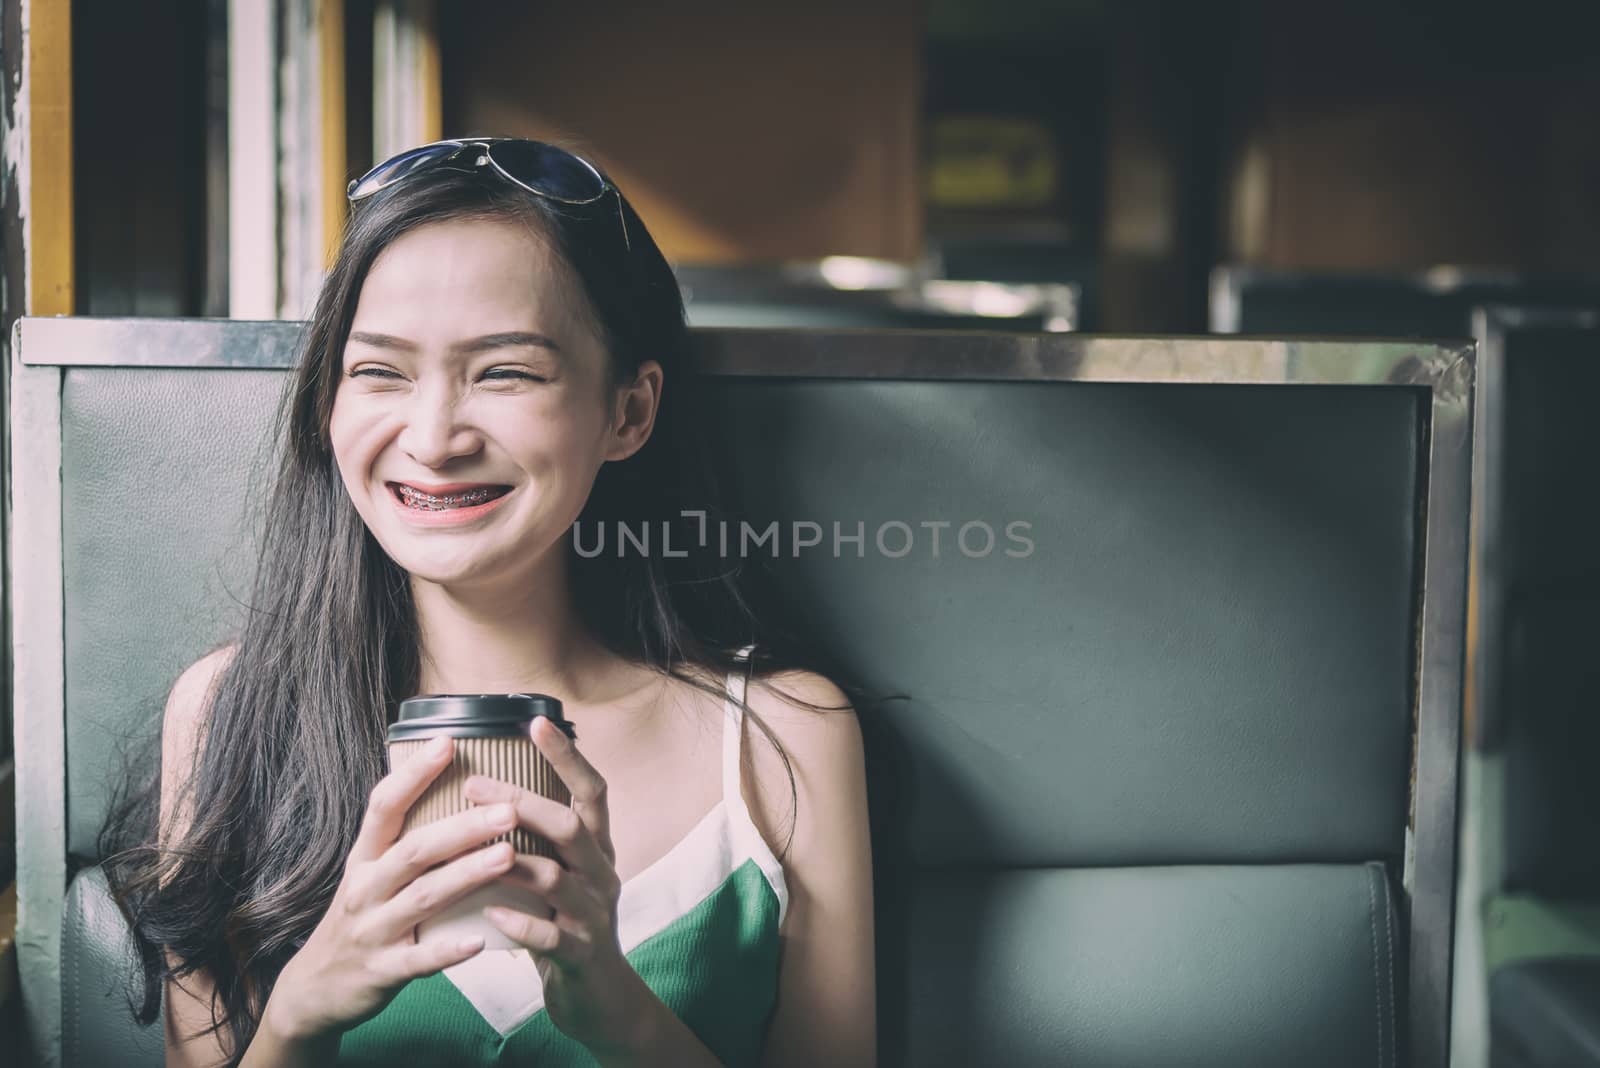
[[541, 169]]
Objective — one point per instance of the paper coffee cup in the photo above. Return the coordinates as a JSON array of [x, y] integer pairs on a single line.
[[493, 737]]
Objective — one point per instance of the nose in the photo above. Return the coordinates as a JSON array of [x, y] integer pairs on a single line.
[[434, 432]]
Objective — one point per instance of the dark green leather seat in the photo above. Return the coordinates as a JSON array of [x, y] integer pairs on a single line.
[[1145, 800]]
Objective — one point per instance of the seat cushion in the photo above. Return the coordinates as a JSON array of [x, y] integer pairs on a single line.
[[97, 966], [1180, 966], [1190, 966]]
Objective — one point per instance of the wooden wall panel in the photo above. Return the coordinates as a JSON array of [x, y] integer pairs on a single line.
[[1392, 139], [740, 131]]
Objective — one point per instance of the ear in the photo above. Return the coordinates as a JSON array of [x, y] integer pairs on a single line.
[[633, 412]]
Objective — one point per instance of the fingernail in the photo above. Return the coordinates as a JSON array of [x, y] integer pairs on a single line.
[[497, 914], [438, 745], [497, 855], [470, 944], [502, 816]]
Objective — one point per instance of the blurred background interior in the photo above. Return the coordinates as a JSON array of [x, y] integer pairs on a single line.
[[1125, 166], [1099, 161]]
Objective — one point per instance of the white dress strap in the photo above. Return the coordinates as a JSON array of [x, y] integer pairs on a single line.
[[745, 839], [733, 735]]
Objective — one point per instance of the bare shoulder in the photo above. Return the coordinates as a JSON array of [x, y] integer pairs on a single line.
[[186, 707], [804, 704], [192, 693], [812, 720], [197, 678]]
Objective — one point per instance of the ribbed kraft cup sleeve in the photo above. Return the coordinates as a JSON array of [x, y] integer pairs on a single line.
[[510, 759]]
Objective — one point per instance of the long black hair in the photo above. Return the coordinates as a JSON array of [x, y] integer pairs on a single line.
[[292, 742]]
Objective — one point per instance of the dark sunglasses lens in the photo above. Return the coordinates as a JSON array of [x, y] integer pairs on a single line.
[[548, 169], [392, 170]]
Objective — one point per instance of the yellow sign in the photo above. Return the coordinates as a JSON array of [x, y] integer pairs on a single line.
[[983, 162]]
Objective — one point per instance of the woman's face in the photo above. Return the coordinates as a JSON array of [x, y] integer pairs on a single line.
[[475, 406]]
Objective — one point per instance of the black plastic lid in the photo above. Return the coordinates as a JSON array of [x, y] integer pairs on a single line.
[[476, 715]]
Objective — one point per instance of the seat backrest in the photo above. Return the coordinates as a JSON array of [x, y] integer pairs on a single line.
[[1434, 304], [1539, 596], [1145, 798]]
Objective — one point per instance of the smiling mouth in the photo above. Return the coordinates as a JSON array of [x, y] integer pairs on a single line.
[[427, 502]]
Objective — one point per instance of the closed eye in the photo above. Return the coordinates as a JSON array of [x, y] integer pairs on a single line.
[[501, 374]]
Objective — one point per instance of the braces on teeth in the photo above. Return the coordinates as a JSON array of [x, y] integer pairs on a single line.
[[465, 499]]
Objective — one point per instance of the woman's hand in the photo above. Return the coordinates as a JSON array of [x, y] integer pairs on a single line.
[[364, 949], [591, 991]]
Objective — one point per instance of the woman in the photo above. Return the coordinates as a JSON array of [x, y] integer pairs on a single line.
[[497, 353]]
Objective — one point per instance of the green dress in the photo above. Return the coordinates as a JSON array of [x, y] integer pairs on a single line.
[[700, 926]]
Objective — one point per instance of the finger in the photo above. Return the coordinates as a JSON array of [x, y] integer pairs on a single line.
[[564, 827], [394, 795], [434, 843], [415, 960], [565, 945], [570, 895], [587, 786], [441, 887]]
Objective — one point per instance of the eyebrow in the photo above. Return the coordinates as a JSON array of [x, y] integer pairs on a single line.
[[486, 343]]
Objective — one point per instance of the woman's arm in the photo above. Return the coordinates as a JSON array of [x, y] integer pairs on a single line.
[[188, 1003], [827, 1007], [187, 1008]]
